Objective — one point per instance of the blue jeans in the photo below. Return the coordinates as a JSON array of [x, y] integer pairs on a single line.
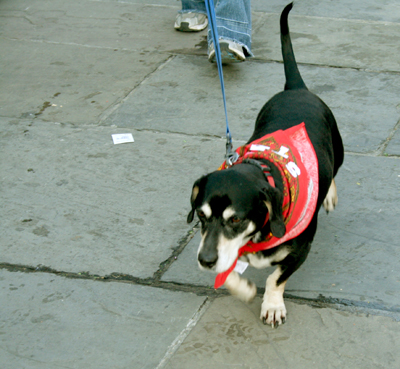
[[233, 19]]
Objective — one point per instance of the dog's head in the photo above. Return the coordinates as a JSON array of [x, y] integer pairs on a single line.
[[232, 206]]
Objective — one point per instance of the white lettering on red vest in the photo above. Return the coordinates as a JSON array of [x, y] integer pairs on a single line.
[[293, 169], [282, 152], [255, 147]]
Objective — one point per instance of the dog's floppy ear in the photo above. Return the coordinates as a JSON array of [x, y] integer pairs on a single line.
[[274, 201], [193, 197]]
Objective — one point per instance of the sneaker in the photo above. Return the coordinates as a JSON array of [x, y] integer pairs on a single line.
[[191, 22], [231, 52]]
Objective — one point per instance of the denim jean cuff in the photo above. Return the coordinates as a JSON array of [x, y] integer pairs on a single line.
[[248, 51], [197, 11]]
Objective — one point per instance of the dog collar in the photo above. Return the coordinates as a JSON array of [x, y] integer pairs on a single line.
[[265, 169], [292, 153]]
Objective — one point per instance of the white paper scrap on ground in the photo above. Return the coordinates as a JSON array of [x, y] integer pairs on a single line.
[[119, 138], [241, 266]]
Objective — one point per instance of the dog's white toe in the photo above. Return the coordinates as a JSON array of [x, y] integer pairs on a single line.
[[273, 314], [331, 198]]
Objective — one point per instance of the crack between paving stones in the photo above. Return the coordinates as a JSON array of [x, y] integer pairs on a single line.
[[351, 306], [381, 150], [358, 69], [238, 142], [106, 114], [373, 154], [279, 61], [164, 266], [70, 44], [185, 332], [205, 135]]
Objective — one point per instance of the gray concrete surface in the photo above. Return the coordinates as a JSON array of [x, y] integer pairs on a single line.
[[316, 338], [53, 322], [97, 263]]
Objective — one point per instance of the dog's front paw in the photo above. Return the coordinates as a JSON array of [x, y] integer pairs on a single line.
[[240, 287], [331, 198], [273, 313]]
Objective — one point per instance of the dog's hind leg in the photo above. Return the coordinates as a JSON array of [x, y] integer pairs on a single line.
[[273, 310], [331, 198], [240, 287]]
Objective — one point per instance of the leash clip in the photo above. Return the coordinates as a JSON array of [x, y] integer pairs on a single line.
[[231, 156]]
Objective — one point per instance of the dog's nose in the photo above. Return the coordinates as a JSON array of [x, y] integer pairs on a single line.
[[207, 262]]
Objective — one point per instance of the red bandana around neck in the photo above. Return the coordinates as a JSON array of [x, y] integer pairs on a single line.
[[293, 154]]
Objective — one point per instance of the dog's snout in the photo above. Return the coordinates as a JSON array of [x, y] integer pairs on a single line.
[[207, 260], [207, 263]]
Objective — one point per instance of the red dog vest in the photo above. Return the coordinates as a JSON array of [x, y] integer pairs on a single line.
[[293, 154]]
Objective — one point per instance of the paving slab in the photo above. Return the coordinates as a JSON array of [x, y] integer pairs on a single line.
[[368, 10], [67, 83], [363, 103], [122, 25], [331, 41], [355, 252], [48, 321], [230, 334], [74, 201], [68, 62]]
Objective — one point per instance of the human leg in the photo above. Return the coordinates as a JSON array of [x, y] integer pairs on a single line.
[[234, 27]]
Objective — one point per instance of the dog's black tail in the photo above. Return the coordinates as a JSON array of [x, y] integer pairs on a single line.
[[292, 74]]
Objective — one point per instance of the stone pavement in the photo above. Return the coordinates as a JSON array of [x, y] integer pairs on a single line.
[[97, 263]]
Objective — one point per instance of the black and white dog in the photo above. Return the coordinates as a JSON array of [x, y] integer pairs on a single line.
[[271, 196]]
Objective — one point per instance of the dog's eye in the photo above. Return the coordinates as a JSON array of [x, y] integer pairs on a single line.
[[201, 214], [235, 220]]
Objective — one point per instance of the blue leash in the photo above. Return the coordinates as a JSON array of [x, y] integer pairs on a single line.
[[230, 156]]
